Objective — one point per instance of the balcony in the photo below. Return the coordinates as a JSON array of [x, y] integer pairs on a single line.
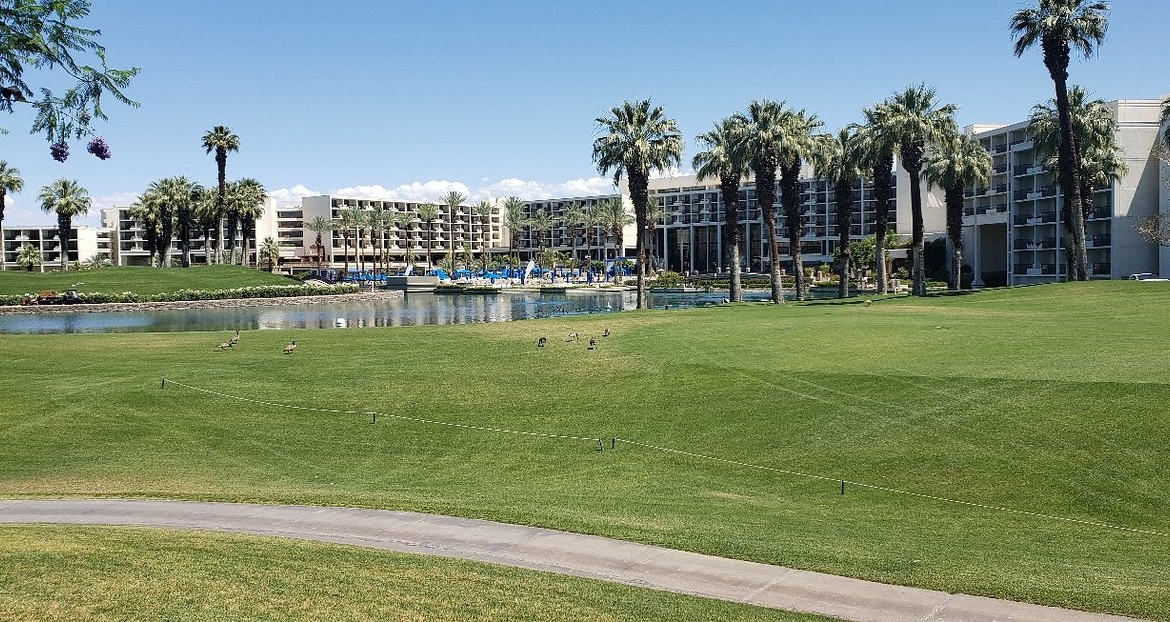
[[1099, 240], [1101, 269]]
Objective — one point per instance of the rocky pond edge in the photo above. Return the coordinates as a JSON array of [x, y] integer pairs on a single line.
[[223, 303]]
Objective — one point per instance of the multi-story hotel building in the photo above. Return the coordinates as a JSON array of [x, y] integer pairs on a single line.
[[84, 243], [1013, 232]]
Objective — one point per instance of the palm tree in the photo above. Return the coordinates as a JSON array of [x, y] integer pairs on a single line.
[[726, 158], [378, 219], [248, 200], [877, 154], [347, 221], [767, 127], [593, 220], [655, 213], [67, 199], [429, 213], [1059, 26], [145, 211], [270, 252], [221, 140], [916, 121], [484, 210], [957, 162], [10, 181], [574, 220], [1166, 123], [171, 201], [542, 223], [1094, 131], [637, 139], [404, 220], [798, 145], [514, 222], [319, 225], [206, 216], [839, 163], [28, 257], [452, 200], [614, 218]]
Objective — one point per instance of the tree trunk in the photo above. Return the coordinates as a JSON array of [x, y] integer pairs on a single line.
[[766, 197], [790, 198], [954, 200], [640, 195], [883, 172], [729, 186], [64, 225], [844, 199], [912, 161], [1070, 183]]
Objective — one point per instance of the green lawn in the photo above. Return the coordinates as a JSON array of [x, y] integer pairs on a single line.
[[1047, 399], [85, 573], [140, 280]]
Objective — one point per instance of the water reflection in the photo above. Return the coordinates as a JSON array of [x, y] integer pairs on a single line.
[[410, 310]]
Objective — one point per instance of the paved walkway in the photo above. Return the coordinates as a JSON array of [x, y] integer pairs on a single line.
[[554, 551]]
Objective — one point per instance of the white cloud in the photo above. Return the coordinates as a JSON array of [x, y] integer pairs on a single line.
[[284, 196], [669, 173], [25, 213]]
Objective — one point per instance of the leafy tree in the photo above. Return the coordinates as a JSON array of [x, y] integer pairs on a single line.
[[1095, 135], [269, 252], [637, 139], [615, 219], [839, 162], [877, 149], [957, 162], [66, 198], [766, 132], [916, 121], [429, 213], [28, 257], [221, 140], [484, 210], [1060, 26], [247, 204], [725, 158], [10, 181], [319, 225], [44, 36], [514, 222]]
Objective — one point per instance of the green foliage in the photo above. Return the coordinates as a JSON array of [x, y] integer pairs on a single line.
[[42, 37], [263, 291], [669, 278], [28, 257]]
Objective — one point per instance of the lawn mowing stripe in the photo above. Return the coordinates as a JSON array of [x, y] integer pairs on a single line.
[[898, 491], [374, 415]]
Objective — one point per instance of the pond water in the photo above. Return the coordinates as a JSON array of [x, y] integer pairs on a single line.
[[412, 309]]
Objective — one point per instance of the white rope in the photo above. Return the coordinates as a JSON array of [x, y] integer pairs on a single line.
[[984, 506], [369, 413]]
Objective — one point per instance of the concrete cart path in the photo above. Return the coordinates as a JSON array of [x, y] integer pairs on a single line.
[[554, 551]]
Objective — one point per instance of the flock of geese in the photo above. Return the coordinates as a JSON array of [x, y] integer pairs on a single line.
[[231, 343], [574, 336]]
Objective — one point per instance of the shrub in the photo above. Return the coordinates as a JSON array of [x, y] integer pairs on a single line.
[[260, 291], [669, 278]]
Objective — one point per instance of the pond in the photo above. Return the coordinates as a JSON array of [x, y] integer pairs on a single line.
[[410, 310]]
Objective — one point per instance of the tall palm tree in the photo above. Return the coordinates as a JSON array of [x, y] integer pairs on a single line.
[[248, 202], [637, 139], [452, 200], [67, 199], [594, 219], [767, 128], [221, 140], [1060, 26], [429, 213], [484, 210], [655, 213], [1094, 131], [917, 122], [798, 146], [614, 217], [957, 162], [10, 181], [574, 221], [206, 217], [171, 201], [319, 225], [346, 223], [146, 211], [725, 158], [839, 162], [542, 223], [877, 153], [379, 219], [404, 221], [514, 222]]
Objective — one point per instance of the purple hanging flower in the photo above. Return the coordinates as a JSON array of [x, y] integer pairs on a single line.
[[60, 151], [99, 148]]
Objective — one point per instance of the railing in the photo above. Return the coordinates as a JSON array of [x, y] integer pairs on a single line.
[[1101, 268]]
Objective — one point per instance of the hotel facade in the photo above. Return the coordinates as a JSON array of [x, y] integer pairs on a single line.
[[1012, 228]]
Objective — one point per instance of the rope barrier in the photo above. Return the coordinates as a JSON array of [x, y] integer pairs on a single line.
[[690, 454], [374, 415], [897, 491]]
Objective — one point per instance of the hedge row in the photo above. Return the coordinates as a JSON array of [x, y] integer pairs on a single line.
[[259, 291]]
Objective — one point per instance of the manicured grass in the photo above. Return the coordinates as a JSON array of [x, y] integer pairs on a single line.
[[140, 280], [1048, 399], [105, 573]]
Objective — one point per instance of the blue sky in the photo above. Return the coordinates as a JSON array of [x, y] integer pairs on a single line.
[[496, 98]]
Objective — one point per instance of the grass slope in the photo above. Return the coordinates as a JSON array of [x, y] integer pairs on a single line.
[[86, 574], [1048, 399], [141, 280]]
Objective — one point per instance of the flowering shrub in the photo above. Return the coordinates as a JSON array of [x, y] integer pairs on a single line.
[[261, 291], [99, 148], [59, 151]]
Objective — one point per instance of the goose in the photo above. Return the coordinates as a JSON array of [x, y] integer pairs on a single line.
[[290, 347]]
